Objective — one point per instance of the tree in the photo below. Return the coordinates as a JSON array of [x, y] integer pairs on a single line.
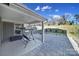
[[64, 18], [77, 17], [71, 22], [67, 19]]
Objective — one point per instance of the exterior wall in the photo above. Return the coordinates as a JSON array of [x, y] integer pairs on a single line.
[[8, 30]]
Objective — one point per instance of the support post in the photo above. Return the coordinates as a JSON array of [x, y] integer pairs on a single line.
[[42, 31], [1, 33]]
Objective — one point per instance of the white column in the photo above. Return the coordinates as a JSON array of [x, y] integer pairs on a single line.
[[1, 33], [42, 32]]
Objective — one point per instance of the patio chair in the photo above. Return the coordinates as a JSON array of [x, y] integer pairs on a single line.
[[26, 37], [25, 40]]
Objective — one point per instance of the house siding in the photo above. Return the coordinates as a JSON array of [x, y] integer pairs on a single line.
[[8, 30]]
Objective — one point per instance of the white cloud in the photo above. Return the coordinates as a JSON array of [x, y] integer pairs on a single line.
[[56, 16], [37, 8], [50, 15], [46, 7], [43, 8], [56, 10], [68, 14]]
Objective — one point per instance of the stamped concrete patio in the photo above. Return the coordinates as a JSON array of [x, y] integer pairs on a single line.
[[54, 45]]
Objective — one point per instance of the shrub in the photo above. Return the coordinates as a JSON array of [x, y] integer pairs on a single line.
[[72, 32]]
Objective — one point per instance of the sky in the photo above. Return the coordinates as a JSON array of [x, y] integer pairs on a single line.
[[48, 10]]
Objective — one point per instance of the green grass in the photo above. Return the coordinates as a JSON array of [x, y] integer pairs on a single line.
[[76, 31], [72, 29]]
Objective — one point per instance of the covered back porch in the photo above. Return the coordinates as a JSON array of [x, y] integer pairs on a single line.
[[11, 17]]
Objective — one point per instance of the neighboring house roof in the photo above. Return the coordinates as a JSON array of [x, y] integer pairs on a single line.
[[17, 13]]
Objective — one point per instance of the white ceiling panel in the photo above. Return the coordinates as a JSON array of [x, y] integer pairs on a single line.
[[13, 15]]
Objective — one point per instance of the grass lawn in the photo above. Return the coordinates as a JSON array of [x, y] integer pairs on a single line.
[[72, 29]]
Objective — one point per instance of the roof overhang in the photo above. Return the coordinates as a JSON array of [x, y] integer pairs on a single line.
[[14, 15]]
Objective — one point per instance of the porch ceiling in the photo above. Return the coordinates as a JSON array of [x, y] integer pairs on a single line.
[[10, 14]]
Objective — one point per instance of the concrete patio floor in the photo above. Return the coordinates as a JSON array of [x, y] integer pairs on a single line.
[[54, 45], [17, 48]]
